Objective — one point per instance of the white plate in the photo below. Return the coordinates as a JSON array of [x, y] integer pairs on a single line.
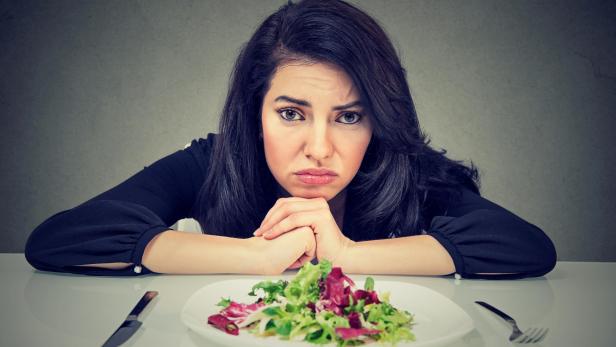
[[438, 320]]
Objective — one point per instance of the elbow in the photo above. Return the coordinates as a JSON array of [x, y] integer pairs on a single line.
[[508, 248], [545, 254], [536, 256], [35, 252], [34, 256], [42, 246]]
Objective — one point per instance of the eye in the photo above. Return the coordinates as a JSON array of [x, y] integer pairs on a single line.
[[290, 115], [349, 118]]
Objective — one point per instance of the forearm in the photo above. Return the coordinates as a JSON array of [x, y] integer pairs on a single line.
[[412, 255], [177, 252]]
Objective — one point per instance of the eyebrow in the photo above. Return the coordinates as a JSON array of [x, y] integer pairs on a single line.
[[307, 104]]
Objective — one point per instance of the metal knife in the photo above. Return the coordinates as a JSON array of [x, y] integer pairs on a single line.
[[131, 324]]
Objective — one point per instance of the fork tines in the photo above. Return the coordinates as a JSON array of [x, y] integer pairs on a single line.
[[532, 335]]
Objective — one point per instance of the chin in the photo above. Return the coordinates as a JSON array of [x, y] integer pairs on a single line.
[[313, 193]]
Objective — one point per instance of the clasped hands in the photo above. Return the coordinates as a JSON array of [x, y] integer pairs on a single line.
[[296, 230]]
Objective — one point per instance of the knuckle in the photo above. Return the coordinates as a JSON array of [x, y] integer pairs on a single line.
[[291, 220], [278, 202], [275, 229], [285, 209], [306, 230]]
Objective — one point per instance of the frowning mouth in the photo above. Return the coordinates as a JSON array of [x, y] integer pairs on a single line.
[[316, 176]]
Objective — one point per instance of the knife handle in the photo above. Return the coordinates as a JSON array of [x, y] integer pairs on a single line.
[[145, 300], [498, 312]]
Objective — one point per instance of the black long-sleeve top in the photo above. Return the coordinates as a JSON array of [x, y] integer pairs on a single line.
[[115, 226]]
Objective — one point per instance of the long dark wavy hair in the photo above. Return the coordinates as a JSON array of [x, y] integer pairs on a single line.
[[401, 177]]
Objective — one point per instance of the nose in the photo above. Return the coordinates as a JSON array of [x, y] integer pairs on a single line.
[[318, 143]]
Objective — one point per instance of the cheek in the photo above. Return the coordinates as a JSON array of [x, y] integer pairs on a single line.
[[353, 162], [354, 151], [274, 147], [277, 147]]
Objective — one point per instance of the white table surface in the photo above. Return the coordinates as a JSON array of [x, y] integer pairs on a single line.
[[576, 301]]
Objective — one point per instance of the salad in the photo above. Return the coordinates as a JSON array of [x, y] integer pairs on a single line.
[[319, 305]]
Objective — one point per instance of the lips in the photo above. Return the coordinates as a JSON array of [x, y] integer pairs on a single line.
[[317, 172], [316, 176]]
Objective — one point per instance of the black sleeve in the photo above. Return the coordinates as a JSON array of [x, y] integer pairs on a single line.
[[117, 225], [483, 238]]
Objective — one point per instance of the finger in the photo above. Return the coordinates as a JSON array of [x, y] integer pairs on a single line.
[[278, 202], [294, 221], [285, 209], [259, 230], [305, 258], [311, 246], [310, 249], [296, 265]]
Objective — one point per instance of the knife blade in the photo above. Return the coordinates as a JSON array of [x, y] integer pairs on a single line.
[[131, 324]]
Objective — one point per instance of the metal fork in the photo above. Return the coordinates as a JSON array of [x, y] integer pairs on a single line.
[[532, 335]]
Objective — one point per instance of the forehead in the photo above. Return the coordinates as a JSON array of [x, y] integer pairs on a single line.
[[317, 79]]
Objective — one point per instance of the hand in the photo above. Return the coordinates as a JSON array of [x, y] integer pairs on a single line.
[[290, 251], [289, 214]]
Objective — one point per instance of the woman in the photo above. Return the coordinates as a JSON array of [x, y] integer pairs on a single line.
[[319, 155]]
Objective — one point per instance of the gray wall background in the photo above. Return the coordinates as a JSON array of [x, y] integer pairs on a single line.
[[93, 91]]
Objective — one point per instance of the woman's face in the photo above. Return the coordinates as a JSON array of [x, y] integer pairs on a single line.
[[315, 132]]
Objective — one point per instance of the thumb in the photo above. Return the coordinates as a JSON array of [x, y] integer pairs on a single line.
[[301, 261], [296, 264]]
